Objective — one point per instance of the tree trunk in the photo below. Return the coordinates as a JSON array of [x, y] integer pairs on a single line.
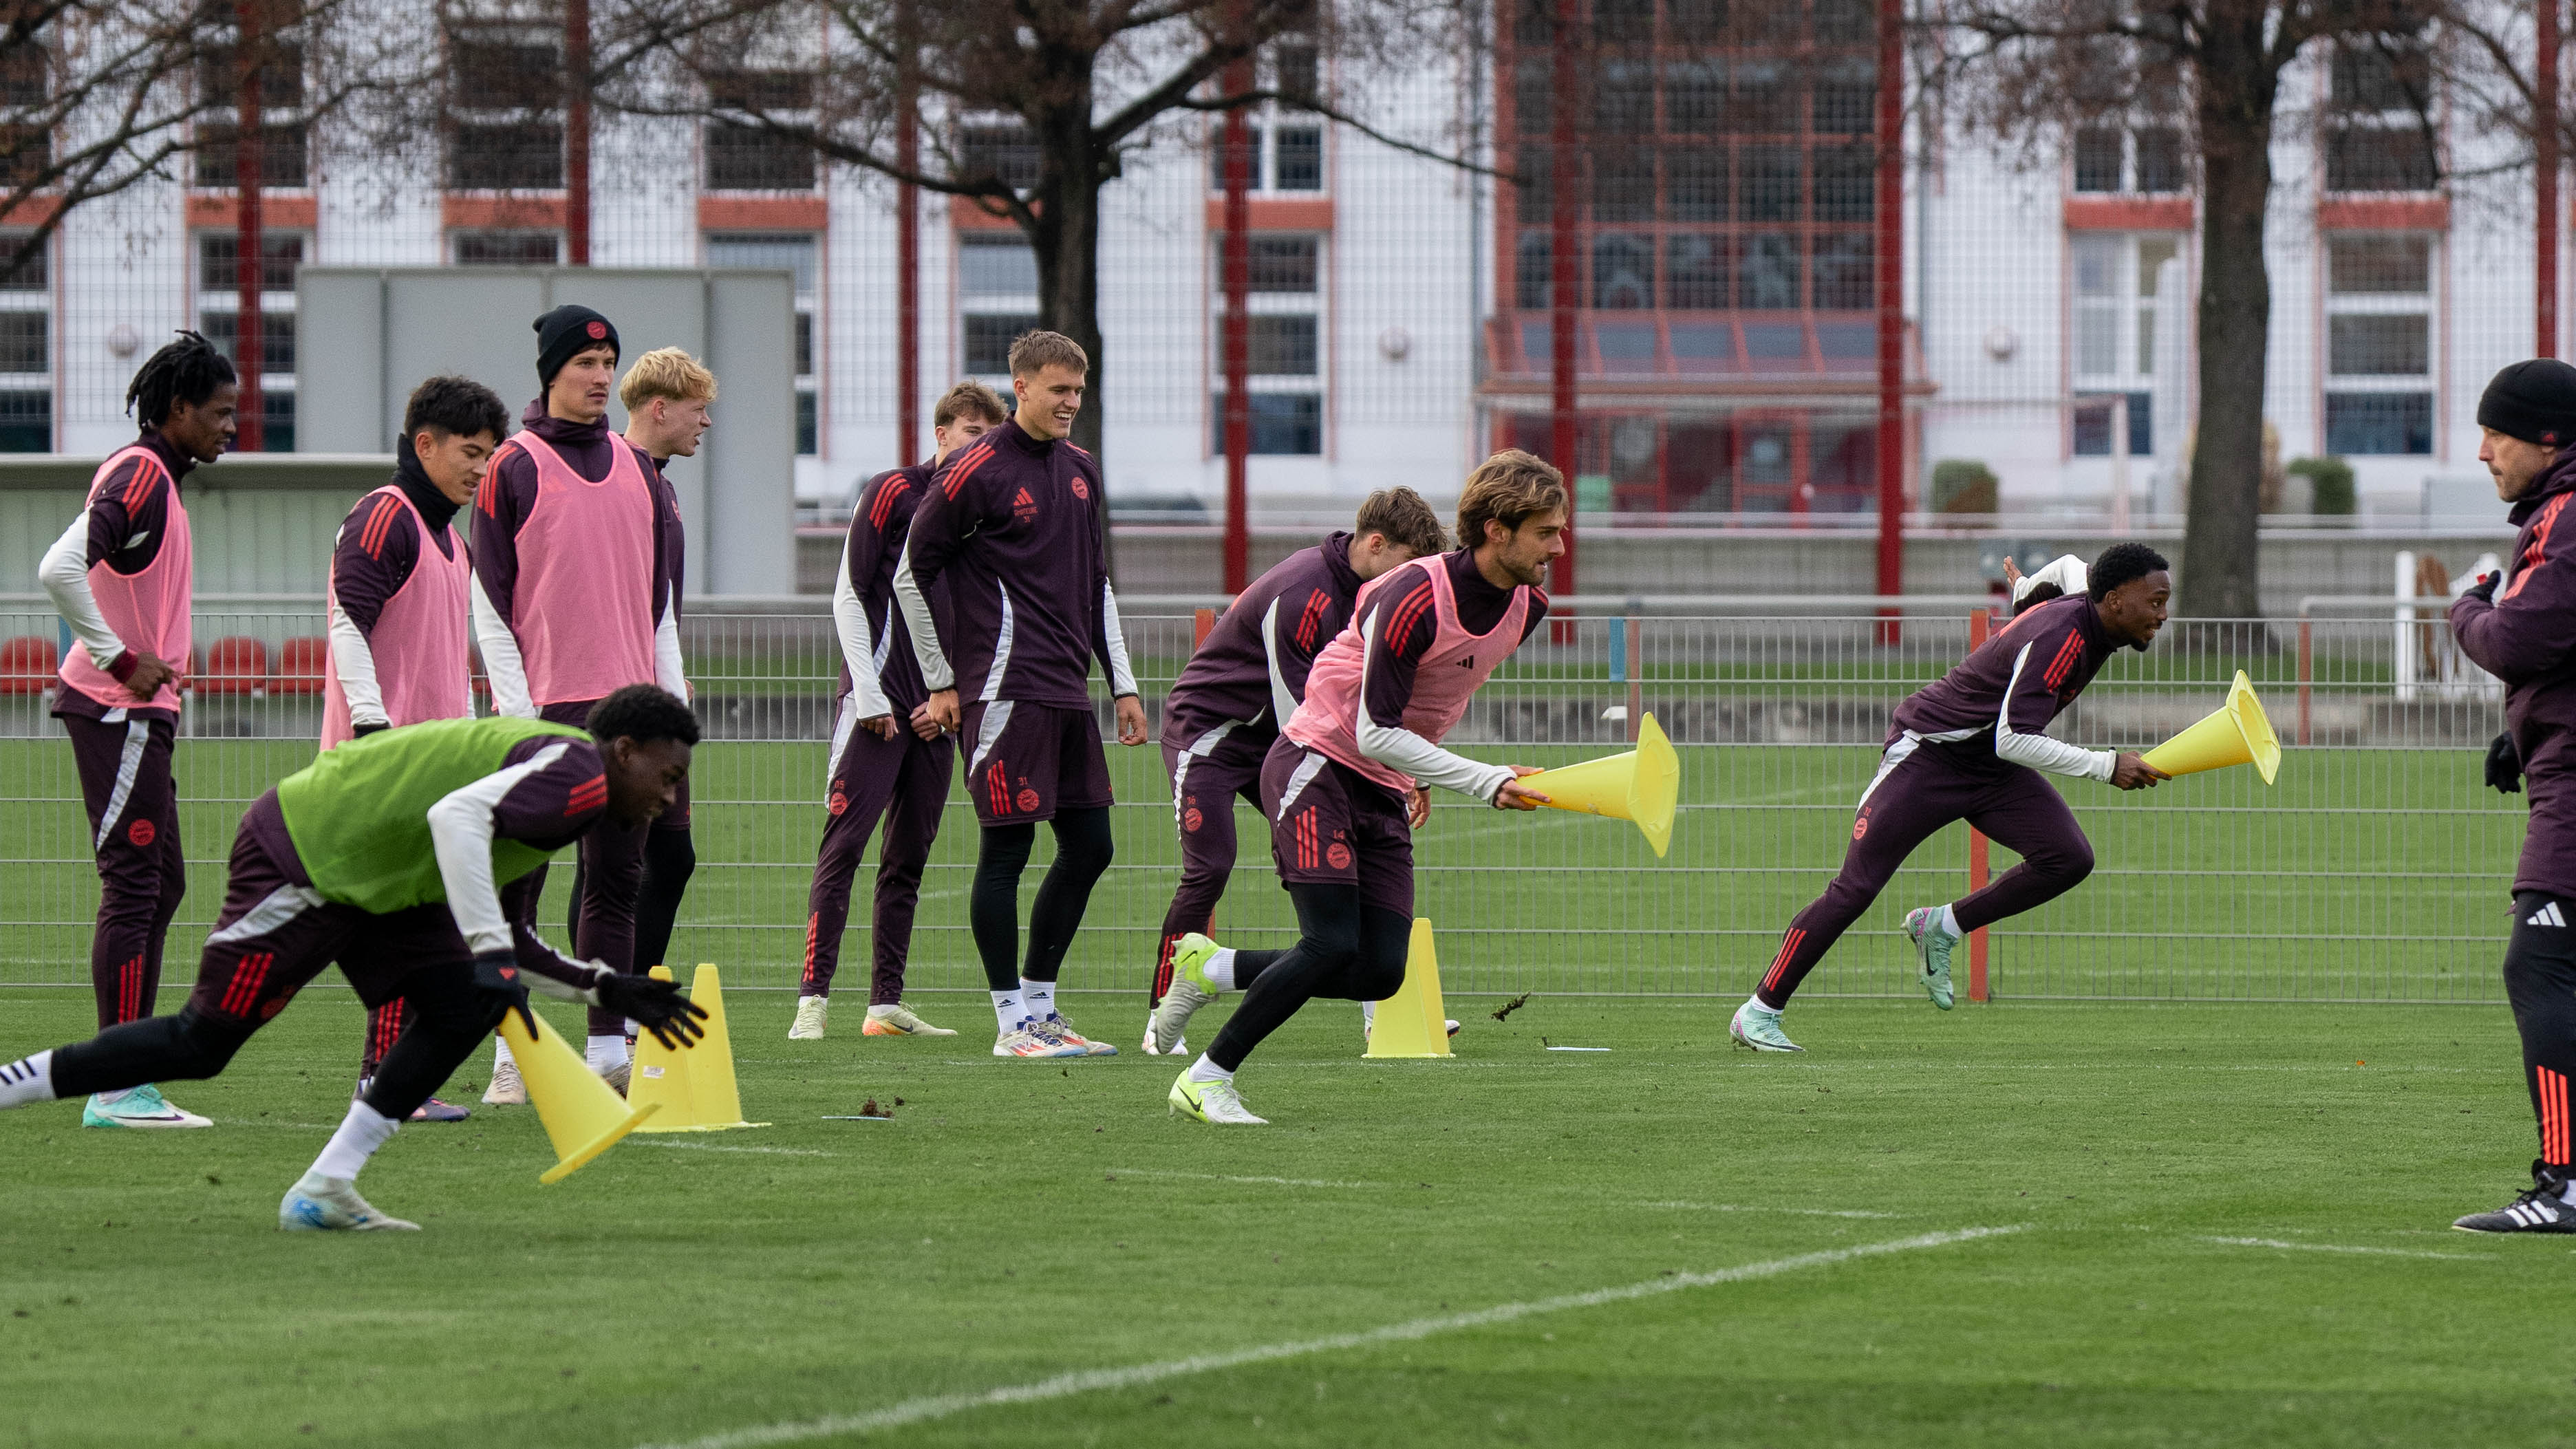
[[2219, 563]]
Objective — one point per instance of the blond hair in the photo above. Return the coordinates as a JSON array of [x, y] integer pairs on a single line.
[[666, 372], [1509, 488], [1404, 518], [1034, 352], [968, 397]]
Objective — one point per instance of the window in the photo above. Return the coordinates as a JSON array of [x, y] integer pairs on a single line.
[[2125, 302], [997, 296], [507, 248], [1284, 344], [26, 353], [796, 253], [1285, 157], [2379, 343], [218, 297], [2377, 133], [752, 157], [283, 161], [2129, 158], [504, 109], [1004, 151]]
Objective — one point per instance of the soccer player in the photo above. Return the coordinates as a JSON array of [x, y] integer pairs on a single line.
[[572, 602], [398, 615], [1017, 525], [888, 758], [1341, 782], [1969, 747], [121, 577], [1243, 683], [2525, 635], [666, 394], [388, 854]]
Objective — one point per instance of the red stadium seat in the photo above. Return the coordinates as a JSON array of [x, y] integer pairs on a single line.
[[299, 667], [235, 665], [27, 665]]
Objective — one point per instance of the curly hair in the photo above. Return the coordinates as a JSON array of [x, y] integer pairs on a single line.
[[2119, 564], [644, 713], [186, 371], [455, 407]]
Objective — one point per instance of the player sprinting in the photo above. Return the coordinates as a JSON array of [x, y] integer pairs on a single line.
[[122, 577], [573, 601], [1017, 527], [1969, 747], [397, 610], [888, 758], [667, 394], [1339, 784], [1242, 684], [389, 855]]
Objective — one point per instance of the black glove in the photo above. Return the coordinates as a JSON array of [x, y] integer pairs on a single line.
[[364, 730], [496, 979], [2484, 589], [656, 1006], [2504, 765]]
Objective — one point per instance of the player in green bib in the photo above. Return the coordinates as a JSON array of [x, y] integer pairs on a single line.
[[403, 856]]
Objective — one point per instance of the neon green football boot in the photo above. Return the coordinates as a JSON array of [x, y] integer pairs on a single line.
[[1933, 946]]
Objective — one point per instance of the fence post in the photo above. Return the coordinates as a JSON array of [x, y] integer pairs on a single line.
[[1636, 676], [1199, 631], [2306, 670], [1978, 623]]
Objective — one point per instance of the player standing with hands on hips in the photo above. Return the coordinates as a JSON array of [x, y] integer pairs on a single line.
[[2524, 633], [1018, 527], [123, 577]]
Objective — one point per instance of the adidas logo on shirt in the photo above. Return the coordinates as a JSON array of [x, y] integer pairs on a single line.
[[2547, 915]]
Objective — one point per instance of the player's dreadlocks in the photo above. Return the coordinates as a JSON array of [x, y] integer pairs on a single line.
[[2120, 563], [186, 371], [643, 713]]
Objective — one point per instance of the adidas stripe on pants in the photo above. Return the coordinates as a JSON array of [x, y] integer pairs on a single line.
[[2540, 981]]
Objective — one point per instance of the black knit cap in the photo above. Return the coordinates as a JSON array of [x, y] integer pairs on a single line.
[[2534, 401], [565, 332]]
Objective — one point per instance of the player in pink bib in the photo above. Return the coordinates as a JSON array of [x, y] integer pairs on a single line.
[[121, 576], [1343, 784], [398, 614]]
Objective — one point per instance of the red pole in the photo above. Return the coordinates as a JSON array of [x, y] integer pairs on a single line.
[[1978, 624], [1888, 257], [577, 132], [2545, 138], [249, 111], [1237, 337], [907, 251], [1199, 627], [1564, 176]]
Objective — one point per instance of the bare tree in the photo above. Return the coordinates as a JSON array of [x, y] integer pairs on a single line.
[[2026, 69]]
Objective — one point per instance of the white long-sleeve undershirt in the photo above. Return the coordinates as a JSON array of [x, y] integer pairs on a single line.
[[935, 673], [64, 575], [858, 644], [2039, 751], [1401, 749], [1122, 676], [353, 660], [460, 832], [502, 665]]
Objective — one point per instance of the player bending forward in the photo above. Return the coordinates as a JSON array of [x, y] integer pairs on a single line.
[[387, 854], [1338, 784], [1969, 747], [1246, 679]]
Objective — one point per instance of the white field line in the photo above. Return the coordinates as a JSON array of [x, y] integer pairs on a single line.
[[2340, 1248], [1221, 1177], [942, 1406], [639, 1140], [1728, 1207], [257, 1122]]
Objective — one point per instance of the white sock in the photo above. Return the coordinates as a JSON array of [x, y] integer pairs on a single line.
[[27, 1080], [1008, 1011], [1368, 1017], [361, 1132], [605, 1053], [1220, 969], [1754, 1003], [501, 1053], [2567, 1191], [1204, 1070], [1950, 923], [1039, 997], [888, 1009]]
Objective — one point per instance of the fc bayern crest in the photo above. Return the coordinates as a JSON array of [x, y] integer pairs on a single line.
[[1028, 800], [840, 802], [1338, 856], [140, 832], [1081, 489], [1190, 819]]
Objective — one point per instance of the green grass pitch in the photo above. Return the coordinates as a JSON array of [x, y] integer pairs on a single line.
[[2228, 1228]]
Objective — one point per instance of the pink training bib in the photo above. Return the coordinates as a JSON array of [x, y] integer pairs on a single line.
[[1443, 682], [148, 610], [582, 607], [423, 670]]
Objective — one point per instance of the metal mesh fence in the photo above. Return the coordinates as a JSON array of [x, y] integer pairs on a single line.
[[2374, 870]]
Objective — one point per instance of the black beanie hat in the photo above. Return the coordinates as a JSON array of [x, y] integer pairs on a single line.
[[566, 331], [2534, 401]]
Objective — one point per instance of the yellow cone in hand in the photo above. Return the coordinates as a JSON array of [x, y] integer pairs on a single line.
[[1414, 1021], [2236, 733], [584, 1116], [694, 1084], [1642, 785]]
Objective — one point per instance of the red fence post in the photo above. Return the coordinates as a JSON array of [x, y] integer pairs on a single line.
[[1199, 628], [907, 241], [1978, 623], [577, 132], [249, 168], [2544, 132], [1888, 256], [1565, 282], [1236, 336]]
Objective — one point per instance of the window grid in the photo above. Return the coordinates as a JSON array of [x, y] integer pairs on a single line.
[[218, 306], [26, 353], [2379, 342], [1285, 344]]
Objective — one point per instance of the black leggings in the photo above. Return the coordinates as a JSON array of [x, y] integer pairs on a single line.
[[1082, 851], [2540, 981], [449, 1020], [669, 861], [1344, 950]]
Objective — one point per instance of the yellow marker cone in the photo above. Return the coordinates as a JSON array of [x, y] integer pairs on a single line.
[[1642, 785], [584, 1116], [2236, 733], [694, 1085], [1413, 1022]]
